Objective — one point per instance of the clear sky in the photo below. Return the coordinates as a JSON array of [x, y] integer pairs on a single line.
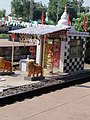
[[6, 4]]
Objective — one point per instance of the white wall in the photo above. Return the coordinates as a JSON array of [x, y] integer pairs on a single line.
[[62, 51], [38, 52]]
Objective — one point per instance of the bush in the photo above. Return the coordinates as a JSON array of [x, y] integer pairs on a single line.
[[4, 36]]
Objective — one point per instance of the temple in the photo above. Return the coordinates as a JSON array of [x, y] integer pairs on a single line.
[[59, 48]]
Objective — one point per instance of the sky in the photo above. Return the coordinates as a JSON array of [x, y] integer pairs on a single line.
[[5, 4]]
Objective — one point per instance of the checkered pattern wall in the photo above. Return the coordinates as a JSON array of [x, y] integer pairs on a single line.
[[74, 64]]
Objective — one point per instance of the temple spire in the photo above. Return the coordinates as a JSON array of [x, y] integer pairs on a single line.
[[65, 9], [64, 17]]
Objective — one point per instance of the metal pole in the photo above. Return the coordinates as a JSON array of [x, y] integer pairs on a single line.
[[43, 51], [52, 56], [12, 52], [31, 9], [57, 9]]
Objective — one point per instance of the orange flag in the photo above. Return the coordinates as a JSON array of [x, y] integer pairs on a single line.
[[13, 36], [68, 19], [84, 24], [42, 17]]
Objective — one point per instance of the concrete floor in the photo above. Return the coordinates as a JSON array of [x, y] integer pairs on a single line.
[[9, 81], [17, 79], [71, 103]]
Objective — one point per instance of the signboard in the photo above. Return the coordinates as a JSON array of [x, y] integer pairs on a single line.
[[32, 51], [73, 43]]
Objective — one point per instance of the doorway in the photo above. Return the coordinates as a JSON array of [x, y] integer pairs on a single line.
[[52, 55]]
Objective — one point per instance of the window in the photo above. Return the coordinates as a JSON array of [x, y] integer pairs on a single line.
[[76, 47]]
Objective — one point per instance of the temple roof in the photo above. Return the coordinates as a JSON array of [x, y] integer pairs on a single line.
[[41, 30]]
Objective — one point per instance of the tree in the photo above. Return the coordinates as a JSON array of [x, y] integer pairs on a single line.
[[16, 8], [56, 8], [2, 13], [78, 23], [38, 8], [27, 9], [20, 8], [52, 10]]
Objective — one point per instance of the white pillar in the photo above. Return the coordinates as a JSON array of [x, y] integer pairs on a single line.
[[38, 52], [62, 51]]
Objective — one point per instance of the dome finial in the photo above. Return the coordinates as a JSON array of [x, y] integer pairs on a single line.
[[65, 8]]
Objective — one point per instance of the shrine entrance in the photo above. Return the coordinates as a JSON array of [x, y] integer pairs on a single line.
[[52, 55]]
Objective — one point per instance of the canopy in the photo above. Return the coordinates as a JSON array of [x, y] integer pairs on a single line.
[[40, 30]]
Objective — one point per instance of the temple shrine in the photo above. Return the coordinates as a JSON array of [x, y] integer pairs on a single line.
[[59, 48]]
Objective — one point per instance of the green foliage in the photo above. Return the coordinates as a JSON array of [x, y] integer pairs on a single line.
[[56, 7], [4, 36], [50, 22], [88, 21], [52, 10], [78, 23], [38, 8], [2, 13], [21, 8]]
